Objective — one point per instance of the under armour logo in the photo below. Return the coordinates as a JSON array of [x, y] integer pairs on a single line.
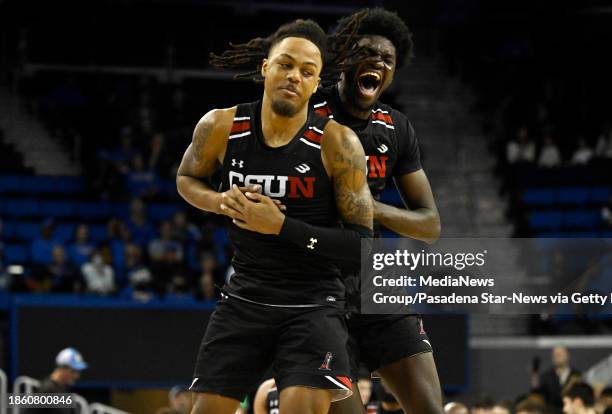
[[302, 168], [313, 241], [325, 365], [383, 148], [240, 163]]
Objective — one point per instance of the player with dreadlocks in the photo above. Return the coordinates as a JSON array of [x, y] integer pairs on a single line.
[[283, 306], [396, 346]]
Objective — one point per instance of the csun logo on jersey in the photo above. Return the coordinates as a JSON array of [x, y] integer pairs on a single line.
[[376, 166], [276, 185]]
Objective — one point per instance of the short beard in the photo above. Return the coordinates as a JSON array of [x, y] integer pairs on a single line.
[[285, 109]]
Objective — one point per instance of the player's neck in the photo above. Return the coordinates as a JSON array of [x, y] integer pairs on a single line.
[[279, 130], [351, 108]]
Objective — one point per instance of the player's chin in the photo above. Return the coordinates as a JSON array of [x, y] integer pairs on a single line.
[[285, 107]]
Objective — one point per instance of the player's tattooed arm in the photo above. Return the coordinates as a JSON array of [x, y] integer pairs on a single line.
[[202, 157], [344, 161]]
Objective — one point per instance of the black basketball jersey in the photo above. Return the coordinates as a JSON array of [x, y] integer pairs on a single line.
[[269, 270], [387, 137], [272, 401]]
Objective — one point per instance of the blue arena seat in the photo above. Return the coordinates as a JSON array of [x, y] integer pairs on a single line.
[[16, 253], [21, 207], [9, 228], [582, 218], [58, 209], [97, 233], [27, 230], [600, 195], [64, 232], [10, 183], [159, 211], [573, 195], [547, 219], [92, 209], [538, 196]]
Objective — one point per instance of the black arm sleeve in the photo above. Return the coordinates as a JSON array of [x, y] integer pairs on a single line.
[[340, 243]]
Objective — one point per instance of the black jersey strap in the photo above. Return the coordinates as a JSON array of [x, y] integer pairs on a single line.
[[340, 243]]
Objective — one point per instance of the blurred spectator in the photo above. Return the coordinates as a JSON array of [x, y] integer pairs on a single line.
[[141, 181], [484, 406], [122, 156], [603, 149], [583, 153], [114, 164], [521, 150], [158, 160], [606, 213], [99, 277], [179, 401], [81, 249], [141, 230], [59, 276], [179, 287], [209, 275], [207, 292], [5, 277], [501, 409], [139, 279], [578, 398], [184, 231], [68, 366], [165, 254], [549, 154], [455, 408], [134, 263], [604, 402], [532, 407], [558, 376], [41, 249], [117, 235]]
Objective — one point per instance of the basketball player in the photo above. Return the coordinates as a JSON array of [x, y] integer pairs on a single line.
[[283, 305], [396, 346]]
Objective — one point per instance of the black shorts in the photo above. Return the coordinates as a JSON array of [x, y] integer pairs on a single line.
[[304, 346], [379, 340]]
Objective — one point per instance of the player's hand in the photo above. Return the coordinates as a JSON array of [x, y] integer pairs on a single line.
[[229, 198], [253, 211]]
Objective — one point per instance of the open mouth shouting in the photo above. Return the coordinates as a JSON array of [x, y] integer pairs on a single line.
[[368, 83]]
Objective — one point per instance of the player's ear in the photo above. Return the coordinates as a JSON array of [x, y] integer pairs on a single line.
[[264, 68], [317, 87]]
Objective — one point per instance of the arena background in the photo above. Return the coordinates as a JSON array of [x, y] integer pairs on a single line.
[[98, 100]]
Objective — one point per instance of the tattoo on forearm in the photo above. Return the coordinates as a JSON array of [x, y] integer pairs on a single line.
[[353, 198]]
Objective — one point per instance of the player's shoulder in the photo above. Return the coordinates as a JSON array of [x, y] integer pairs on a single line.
[[398, 116], [338, 135], [400, 121], [218, 119]]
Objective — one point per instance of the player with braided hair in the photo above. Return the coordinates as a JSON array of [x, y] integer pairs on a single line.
[[284, 305]]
